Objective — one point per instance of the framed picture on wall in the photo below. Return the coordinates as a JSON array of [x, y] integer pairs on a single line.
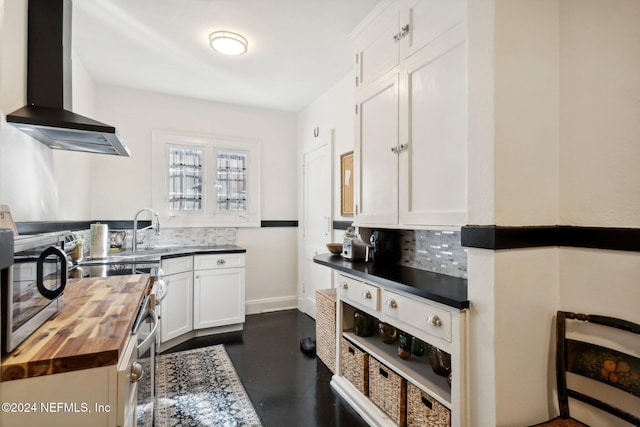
[[346, 184]]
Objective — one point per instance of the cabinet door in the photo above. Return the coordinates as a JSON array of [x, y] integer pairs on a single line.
[[177, 306], [376, 166], [427, 20], [218, 297], [377, 49], [433, 110]]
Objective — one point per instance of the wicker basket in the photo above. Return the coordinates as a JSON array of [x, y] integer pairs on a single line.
[[425, 411], [326, 327], [388, 391], [354, 364]]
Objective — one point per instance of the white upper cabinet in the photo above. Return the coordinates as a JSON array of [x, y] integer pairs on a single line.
[[377, 44], [411, 118], [433, 128], [376, 167], [423, 21]]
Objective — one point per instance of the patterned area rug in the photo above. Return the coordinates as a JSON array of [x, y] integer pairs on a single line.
[[200, 387]]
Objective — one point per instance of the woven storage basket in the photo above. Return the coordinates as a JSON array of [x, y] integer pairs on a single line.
[[354, 364], [388, 391], [326, 327], [424, 411]]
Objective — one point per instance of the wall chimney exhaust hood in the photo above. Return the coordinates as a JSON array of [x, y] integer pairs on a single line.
[[47, 116]]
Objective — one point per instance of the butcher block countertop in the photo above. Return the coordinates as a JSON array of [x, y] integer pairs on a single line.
[[90, 330]]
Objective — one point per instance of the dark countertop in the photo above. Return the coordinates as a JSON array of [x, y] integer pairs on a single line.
[[448, 290], [155, 255], [203, 250]]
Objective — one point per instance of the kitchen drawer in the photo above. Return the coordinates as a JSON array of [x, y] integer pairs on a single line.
[[419, 314], [360, 293], [226, 260], [177, 265]]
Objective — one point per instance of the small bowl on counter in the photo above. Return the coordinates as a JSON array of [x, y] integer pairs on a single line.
[[335, 248]]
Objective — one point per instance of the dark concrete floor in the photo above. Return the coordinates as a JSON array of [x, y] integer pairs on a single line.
[[287, 387]]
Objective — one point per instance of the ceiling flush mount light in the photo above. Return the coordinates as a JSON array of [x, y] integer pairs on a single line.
[[228, 43]]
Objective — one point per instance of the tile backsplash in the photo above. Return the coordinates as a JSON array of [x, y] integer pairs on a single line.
[[434, 250], [179, 236], [190, 236]]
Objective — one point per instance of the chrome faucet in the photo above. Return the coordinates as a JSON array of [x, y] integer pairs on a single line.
[[134, 238]]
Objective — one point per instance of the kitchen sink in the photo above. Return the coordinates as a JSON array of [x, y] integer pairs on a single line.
[[138, 256]]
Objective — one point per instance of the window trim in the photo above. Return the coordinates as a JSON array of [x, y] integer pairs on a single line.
[[211, 144]]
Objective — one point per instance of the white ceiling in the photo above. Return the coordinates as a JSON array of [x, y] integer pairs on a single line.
[[297, 48]]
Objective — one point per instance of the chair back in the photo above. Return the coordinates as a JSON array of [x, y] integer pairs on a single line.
[[603, 364]]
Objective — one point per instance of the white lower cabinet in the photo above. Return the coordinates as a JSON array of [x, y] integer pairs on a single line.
[[218, 290], [176, 316], [435, 324], [205, 295]]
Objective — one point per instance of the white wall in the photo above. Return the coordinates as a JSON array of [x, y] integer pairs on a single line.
[[39, 184], [332, 111], [564, 148], [27, 182], [271, 269], [600, 126], [526, 109]]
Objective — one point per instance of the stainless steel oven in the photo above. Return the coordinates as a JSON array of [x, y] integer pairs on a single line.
[[145, 329], [36, 281]]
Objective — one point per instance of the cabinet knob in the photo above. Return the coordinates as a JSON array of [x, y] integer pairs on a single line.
[[221, 262], [345, 286], [366, 294], [136, 372], [434, 320], [391, 303]]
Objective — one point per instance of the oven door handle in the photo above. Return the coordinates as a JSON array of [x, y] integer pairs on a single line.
[[146, 344]]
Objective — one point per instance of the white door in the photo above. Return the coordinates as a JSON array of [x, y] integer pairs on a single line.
[[317, 220]]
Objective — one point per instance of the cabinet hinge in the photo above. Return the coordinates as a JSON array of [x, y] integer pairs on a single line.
[[356, 108], [356, 59], [356, 81]]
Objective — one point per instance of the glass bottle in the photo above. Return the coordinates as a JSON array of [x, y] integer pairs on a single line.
[[404, 350]]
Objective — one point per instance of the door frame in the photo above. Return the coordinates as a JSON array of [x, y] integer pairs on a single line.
[[326, 138]]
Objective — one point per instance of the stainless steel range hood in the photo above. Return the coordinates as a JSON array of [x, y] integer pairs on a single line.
[[47, 116]]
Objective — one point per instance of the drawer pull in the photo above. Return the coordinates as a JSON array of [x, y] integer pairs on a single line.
[[345, 286], [434, 320], [366, 294], [221, 262], [383, 373], [391, 303], [351, 350]]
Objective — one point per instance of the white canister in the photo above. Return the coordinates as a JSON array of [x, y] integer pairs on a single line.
[[99, 240]]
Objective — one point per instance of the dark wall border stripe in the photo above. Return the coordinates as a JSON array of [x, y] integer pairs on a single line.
[[279, 223], [50, 226], [341, 225], [499, 237], [36, 227]]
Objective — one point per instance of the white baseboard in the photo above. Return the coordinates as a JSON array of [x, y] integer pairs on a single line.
[[266, 305]]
